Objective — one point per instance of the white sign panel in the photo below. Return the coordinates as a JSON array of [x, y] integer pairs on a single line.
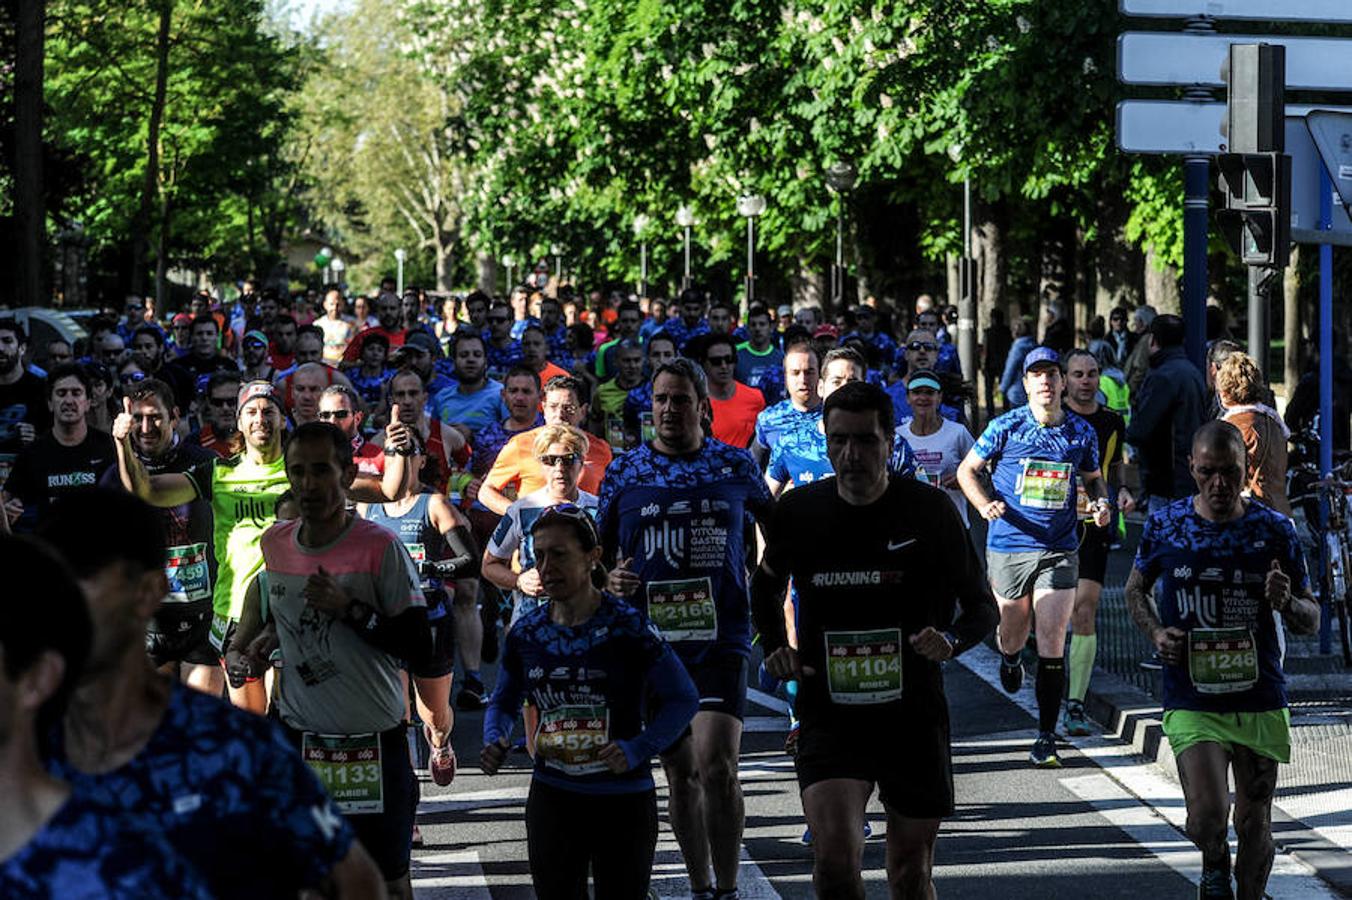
[[1332, 133], [1162, 58], [1332, 11], [1180, 127]]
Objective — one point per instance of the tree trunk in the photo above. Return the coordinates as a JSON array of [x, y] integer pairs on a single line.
[[1161, 286], [162, 253], [444, 244], [28, 185], [140, 243], [1119, 268], [993, 266], [488, 273], [806, 286]]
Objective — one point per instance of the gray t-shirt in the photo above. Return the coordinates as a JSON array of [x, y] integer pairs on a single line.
[[334, 681]]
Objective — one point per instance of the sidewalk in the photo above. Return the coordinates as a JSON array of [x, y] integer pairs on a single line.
[[1312, 815]]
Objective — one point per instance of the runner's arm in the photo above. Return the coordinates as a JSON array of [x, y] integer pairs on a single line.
[[493, 498], [498, 571], [505, 704], [977, 611], [767, 605], [354, 876], [158, 490], [1139, 604], [676, 702], [464, 559], [969, 479], [1094, 485]]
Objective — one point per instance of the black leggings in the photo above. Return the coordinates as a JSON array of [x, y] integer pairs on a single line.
[[567, 832]]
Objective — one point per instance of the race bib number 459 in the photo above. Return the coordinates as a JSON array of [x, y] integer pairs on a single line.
[[683, 610], [1222, 660], [864, 667], [348, 765]]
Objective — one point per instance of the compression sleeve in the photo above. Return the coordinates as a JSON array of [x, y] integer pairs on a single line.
[[676, 702], [508, 693], [465, 558], [406, 636]]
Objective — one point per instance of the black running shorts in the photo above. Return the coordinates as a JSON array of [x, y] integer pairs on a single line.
[[180, 633], [911, 764]]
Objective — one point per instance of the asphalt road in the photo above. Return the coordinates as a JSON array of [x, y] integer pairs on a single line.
[[1105, 825]]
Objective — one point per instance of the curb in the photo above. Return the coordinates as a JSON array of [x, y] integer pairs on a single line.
[[1135, 717]]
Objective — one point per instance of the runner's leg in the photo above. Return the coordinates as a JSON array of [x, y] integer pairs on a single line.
[[554, 843], [434, 706], [1084, 643], [834, 809], [252, 697], [1202, 769], [623, 845], [1255, 784], [204, 678], [1015, 621], [469, 628], [718, 740], [1052, 610], [686, 808], [910, 856]]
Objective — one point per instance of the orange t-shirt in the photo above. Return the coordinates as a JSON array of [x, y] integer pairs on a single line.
[[735, 417], [516, 465], [551, 371]]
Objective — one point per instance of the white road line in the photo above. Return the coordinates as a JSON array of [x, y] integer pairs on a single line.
[[670, 880], [1145, 783], [766, 724], [1158, 833], [769, 701], [450, 876]]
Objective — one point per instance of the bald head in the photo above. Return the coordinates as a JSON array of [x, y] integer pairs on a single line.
[[1217, 437]]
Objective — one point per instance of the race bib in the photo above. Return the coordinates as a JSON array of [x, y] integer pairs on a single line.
[[219, 626], [683, 610], [647, 430], [1222, 660], [864, 667], [1044, 484], [615, 432], [570, 738], [186, 568], [349, 767]]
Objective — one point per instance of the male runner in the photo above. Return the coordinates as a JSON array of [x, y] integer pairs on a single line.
[[760, 363], [346, 599], [677, 511], [223, 786], [881, 564], [1229, 568], [55, 842], [1082, 391], [804, 403], [607, 407], [68, 459], [734, 405], [477, 399], [690, 323], [218, 410], [638, 406], [178, 636], [501, 350], [1035, 452]]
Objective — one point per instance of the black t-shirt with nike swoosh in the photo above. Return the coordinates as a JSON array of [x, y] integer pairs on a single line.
[[47, 470], [895, 565]]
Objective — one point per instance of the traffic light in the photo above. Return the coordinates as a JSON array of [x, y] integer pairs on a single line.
[[1257, 215]]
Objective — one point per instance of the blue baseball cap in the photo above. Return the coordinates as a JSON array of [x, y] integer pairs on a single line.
[[1040, 356]]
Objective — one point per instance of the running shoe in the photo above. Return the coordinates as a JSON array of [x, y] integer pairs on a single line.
[[1011, 676], [706, 894], [1215, 885], [417, 839], [471, 696], [441, 762], [727, 895], [1075, 723], [1043, 754]]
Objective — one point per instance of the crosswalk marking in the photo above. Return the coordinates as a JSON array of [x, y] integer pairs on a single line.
[[450, 876]]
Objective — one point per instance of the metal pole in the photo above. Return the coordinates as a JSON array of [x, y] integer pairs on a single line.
[[558, 270], [1325, 370], [685, 281], [1197, 188], [400, 279], [1259, 339], [838, 273], [750, 259]]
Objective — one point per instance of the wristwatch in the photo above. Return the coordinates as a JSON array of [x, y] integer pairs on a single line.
[[952, 643]]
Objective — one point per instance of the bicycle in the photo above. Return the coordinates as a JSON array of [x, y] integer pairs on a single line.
[[1326, 500]]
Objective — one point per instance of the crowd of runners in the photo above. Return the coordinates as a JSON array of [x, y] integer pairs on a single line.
[[253, 544]]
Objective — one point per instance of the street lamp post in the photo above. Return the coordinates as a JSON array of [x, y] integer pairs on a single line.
[[640, 232], [840, 179], [338, 267], [967, 311], [399, 257], [557, 252], [751, 206], [326, 256], [509, 263], [685, 218]]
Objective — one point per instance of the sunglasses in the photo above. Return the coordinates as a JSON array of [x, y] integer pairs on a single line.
[[569, 512], [329, 415], [550, 460], [917, 346], [131, 377], [721, 360]]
